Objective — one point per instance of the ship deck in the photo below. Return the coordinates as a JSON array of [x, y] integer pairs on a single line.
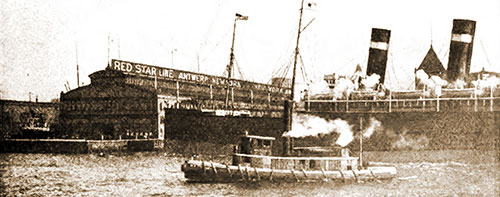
[[477, 104]]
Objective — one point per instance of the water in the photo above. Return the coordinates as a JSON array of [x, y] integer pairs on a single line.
[[427, 173]]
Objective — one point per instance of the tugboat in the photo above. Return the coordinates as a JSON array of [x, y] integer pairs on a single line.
[[253, 159]]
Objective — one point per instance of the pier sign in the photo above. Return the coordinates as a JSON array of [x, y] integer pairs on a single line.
[[179, 75]]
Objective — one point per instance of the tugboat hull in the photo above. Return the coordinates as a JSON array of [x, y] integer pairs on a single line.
[[201, 171]]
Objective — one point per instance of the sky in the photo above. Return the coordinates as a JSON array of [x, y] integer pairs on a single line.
[[43, 40]]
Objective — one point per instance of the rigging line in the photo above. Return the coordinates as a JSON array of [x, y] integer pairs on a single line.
[[215, 46], [412, 81], [443, 46], [210, 28], [286, 67], [284, 73], [282, 69], [286, 51], [291, 34], [307, 25], [277, 71], [412, 84], [482, 46], [286, 70], [303, 70], [283, 76], [441, 50], [446, 55], [393, 69], [239, 69]]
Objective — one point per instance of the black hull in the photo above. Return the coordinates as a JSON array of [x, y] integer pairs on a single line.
[[399, 130], [426, 130], [194, 125]]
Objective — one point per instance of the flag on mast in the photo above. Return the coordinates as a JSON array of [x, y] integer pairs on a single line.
[[241, 17]]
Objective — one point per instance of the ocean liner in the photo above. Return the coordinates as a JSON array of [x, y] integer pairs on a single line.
[[449, 108]]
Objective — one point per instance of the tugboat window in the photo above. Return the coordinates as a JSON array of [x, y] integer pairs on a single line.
[[303, 163], [260, 143], [312, 164]]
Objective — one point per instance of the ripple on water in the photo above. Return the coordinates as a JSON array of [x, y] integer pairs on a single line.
[[158, 175]]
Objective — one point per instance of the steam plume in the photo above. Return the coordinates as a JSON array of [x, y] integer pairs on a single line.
[[488, 82], [371, 81], [343, 88], [433, 83], [408, 142], [458, 84], [319, 87], [422, 76], [438, 81], [306, 125], [344, 129], [374, 124]]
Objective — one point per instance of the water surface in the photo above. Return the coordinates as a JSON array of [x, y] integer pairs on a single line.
[[428, 173]]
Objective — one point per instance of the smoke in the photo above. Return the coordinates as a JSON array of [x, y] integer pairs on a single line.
[[374, 124], [488, 82], [344, 129], [422, 76], [438, 81], [409, 142], [343, 88], [307, 125], [458, 84], [319, 87], [370, 81], [433, 83]]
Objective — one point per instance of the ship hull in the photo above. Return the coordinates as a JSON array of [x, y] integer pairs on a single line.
[[425, 130], [197, 126], [201, 171], [397, 131]]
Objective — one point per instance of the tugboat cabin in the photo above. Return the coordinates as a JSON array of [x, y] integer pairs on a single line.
[[256, 151]]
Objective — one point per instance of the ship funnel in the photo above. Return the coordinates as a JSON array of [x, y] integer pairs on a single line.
[[462, 39], [377, 58]]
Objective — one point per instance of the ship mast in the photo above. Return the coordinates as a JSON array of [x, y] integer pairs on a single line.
[[229, 67], [77, 69], [290, 110], [296, 51]]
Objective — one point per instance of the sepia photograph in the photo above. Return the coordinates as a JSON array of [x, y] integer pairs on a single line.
[[249, 98]]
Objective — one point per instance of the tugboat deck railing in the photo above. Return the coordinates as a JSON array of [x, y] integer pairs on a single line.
[[298, 158]]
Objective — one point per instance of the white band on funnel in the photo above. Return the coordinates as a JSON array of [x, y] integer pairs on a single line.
[[461, 38], [379, 45]]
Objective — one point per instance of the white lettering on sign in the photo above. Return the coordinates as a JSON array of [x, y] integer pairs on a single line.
[[135, 68]]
